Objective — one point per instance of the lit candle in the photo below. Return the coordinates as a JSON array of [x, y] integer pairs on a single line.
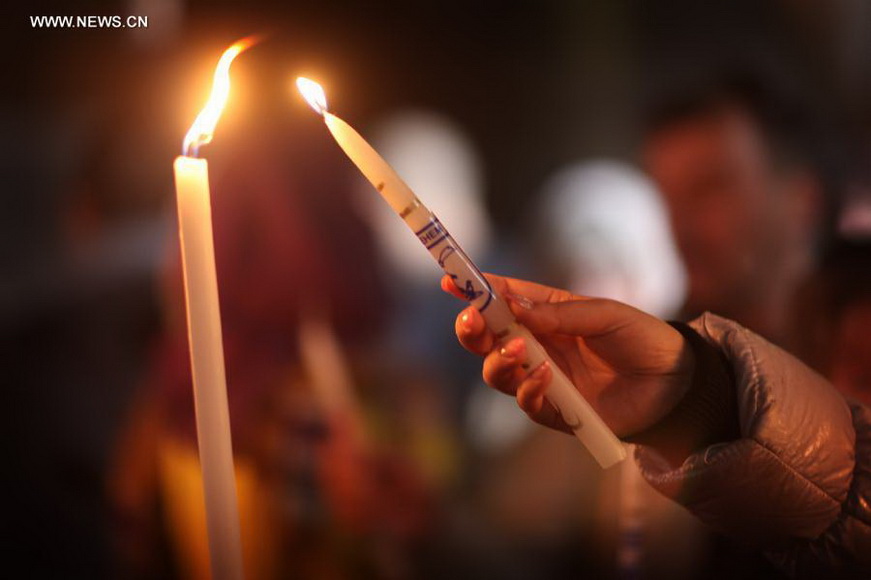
[[204, 331], [561, 393]]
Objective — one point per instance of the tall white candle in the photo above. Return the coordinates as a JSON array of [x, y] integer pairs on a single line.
[[204, 333], [586, 424]]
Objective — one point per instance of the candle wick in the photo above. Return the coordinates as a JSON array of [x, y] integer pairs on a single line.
[[192, 148]]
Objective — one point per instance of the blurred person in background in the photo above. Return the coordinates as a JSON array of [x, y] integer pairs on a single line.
[[739, 157], [326, 434], [603, 230], [739, 162]]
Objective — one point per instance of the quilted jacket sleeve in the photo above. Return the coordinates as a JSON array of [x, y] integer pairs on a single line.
[[797, 481]]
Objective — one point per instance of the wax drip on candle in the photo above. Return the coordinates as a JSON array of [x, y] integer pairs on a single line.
[[201, 131]]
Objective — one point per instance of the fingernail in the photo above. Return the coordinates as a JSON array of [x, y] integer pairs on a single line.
[[466, 321], [540, 370], [513, 348], [521, 301]]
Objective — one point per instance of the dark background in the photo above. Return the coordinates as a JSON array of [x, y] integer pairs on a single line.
[[91, 120]]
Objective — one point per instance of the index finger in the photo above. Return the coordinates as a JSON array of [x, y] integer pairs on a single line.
[[508, 287]]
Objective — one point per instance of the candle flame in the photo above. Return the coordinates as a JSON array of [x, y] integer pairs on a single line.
[[201, 131], [313, 93]]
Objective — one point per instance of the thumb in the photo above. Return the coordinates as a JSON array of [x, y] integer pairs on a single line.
[[586, 317]]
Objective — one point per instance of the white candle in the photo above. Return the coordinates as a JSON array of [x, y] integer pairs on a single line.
[[562, 394], [329, 370], [204, 333]]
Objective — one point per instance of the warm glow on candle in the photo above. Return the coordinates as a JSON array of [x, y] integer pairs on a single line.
[[429, 230], [205, 340], [313, 93], [201, 131]]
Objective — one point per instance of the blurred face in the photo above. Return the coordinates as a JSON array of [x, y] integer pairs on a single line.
[[727, 205]]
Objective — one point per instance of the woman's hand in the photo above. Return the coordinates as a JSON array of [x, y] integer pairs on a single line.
[[632, 367]]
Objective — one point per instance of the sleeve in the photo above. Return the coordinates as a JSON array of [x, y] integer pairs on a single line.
[[843, 550], [788, 482]]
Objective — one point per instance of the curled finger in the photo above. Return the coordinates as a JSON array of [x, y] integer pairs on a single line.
[[531, 398], [473, 333], [503, 368]]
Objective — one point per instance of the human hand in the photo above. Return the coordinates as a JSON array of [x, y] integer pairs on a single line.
[[632, 367]]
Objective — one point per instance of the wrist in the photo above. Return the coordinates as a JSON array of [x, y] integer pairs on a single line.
[[706, 414]]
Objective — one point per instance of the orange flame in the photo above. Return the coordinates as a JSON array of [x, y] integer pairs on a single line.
[[313, 93], [201, 131]]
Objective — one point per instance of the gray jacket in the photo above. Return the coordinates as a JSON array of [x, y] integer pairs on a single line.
[[797, 482]]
